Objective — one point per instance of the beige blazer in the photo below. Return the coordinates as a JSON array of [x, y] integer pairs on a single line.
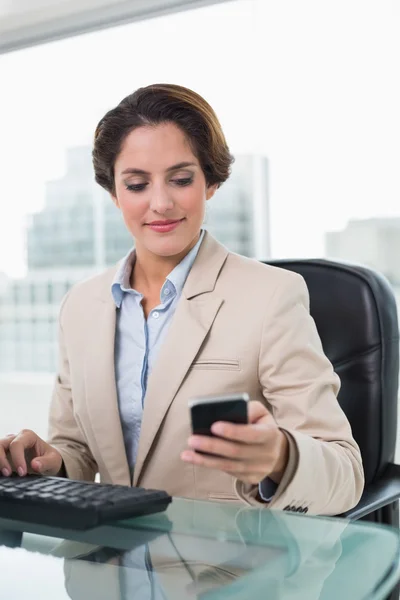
[[240, 326]]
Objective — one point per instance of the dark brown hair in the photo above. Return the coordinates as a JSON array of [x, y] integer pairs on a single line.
[[153, 105]]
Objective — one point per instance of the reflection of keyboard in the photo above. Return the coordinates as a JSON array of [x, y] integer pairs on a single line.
[[70, 504]]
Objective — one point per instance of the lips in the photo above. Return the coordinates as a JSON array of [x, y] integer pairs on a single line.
[[164, 226], [166, 222]]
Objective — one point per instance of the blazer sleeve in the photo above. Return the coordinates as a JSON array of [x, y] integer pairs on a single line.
[[324, 474], [64, 431]]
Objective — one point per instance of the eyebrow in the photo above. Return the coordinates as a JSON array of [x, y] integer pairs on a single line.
[[181, 165]]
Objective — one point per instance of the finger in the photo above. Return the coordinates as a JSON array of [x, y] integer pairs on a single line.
[[250, 474], [48, 463], [256, 410], [254, 478], [257, 434], [241, 471], [24, 440], [37, 464], [211, 462], [220, 447], [5, 466]]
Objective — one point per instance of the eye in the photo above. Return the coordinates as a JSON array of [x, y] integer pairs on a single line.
[[136, 187], [183, 181]]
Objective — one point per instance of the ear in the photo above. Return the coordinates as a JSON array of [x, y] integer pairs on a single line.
[[211, 191], [115, 200]]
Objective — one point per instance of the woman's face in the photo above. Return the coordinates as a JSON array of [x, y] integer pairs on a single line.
[[161, 190]]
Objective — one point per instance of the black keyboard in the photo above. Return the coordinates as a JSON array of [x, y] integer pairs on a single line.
[[70, 504]]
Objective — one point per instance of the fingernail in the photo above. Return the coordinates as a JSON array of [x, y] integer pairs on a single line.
[[5, 472], [21, 471], [217, 428], [38, 465], [195, 443]]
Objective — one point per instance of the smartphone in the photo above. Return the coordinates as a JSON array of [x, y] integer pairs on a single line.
[[207, 410]]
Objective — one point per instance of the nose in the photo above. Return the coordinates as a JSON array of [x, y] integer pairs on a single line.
[[161, 200]]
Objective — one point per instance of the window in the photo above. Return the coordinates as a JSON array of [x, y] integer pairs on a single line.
[[40, 293]]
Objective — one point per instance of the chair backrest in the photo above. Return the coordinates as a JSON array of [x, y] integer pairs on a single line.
[[356, 316]]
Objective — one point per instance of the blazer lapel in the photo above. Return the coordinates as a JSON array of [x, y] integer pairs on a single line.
[[101, 391], [194, 316]]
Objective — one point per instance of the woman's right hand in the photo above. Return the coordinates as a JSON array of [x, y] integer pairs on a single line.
[[26, 452]]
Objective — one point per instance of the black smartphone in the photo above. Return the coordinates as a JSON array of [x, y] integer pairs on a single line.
[[207, 410]]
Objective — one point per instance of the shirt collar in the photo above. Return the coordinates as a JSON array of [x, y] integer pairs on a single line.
[[121, 282], [177, 277]]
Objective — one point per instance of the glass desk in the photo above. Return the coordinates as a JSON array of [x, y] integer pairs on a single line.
[[201, 550]]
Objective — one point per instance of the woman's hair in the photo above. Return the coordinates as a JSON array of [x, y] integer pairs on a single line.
[[154, 105]]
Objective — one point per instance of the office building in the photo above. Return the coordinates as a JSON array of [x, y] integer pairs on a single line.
[[372, 242], [79, 225], [238, 214], [78, 232]]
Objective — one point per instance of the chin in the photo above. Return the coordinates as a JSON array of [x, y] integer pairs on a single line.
[[167, 245], [167, 249]]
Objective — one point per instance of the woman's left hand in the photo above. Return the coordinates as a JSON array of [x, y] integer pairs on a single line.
[[248, 452]]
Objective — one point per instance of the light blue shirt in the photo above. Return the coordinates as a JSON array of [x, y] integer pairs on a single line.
[[138, 341], [137, 344]]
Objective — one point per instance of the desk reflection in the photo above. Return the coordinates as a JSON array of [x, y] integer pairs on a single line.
[[266, 555]]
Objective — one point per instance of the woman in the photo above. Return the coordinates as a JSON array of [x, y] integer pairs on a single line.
[[182, 316]]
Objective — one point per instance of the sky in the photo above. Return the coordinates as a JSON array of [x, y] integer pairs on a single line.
[[312, 85]]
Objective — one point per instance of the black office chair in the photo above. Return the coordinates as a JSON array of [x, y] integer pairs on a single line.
[[356, 316]]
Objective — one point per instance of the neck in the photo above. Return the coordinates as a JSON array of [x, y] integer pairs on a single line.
[[151, 270]]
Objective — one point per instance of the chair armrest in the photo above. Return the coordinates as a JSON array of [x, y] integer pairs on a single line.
[[383, 491]]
